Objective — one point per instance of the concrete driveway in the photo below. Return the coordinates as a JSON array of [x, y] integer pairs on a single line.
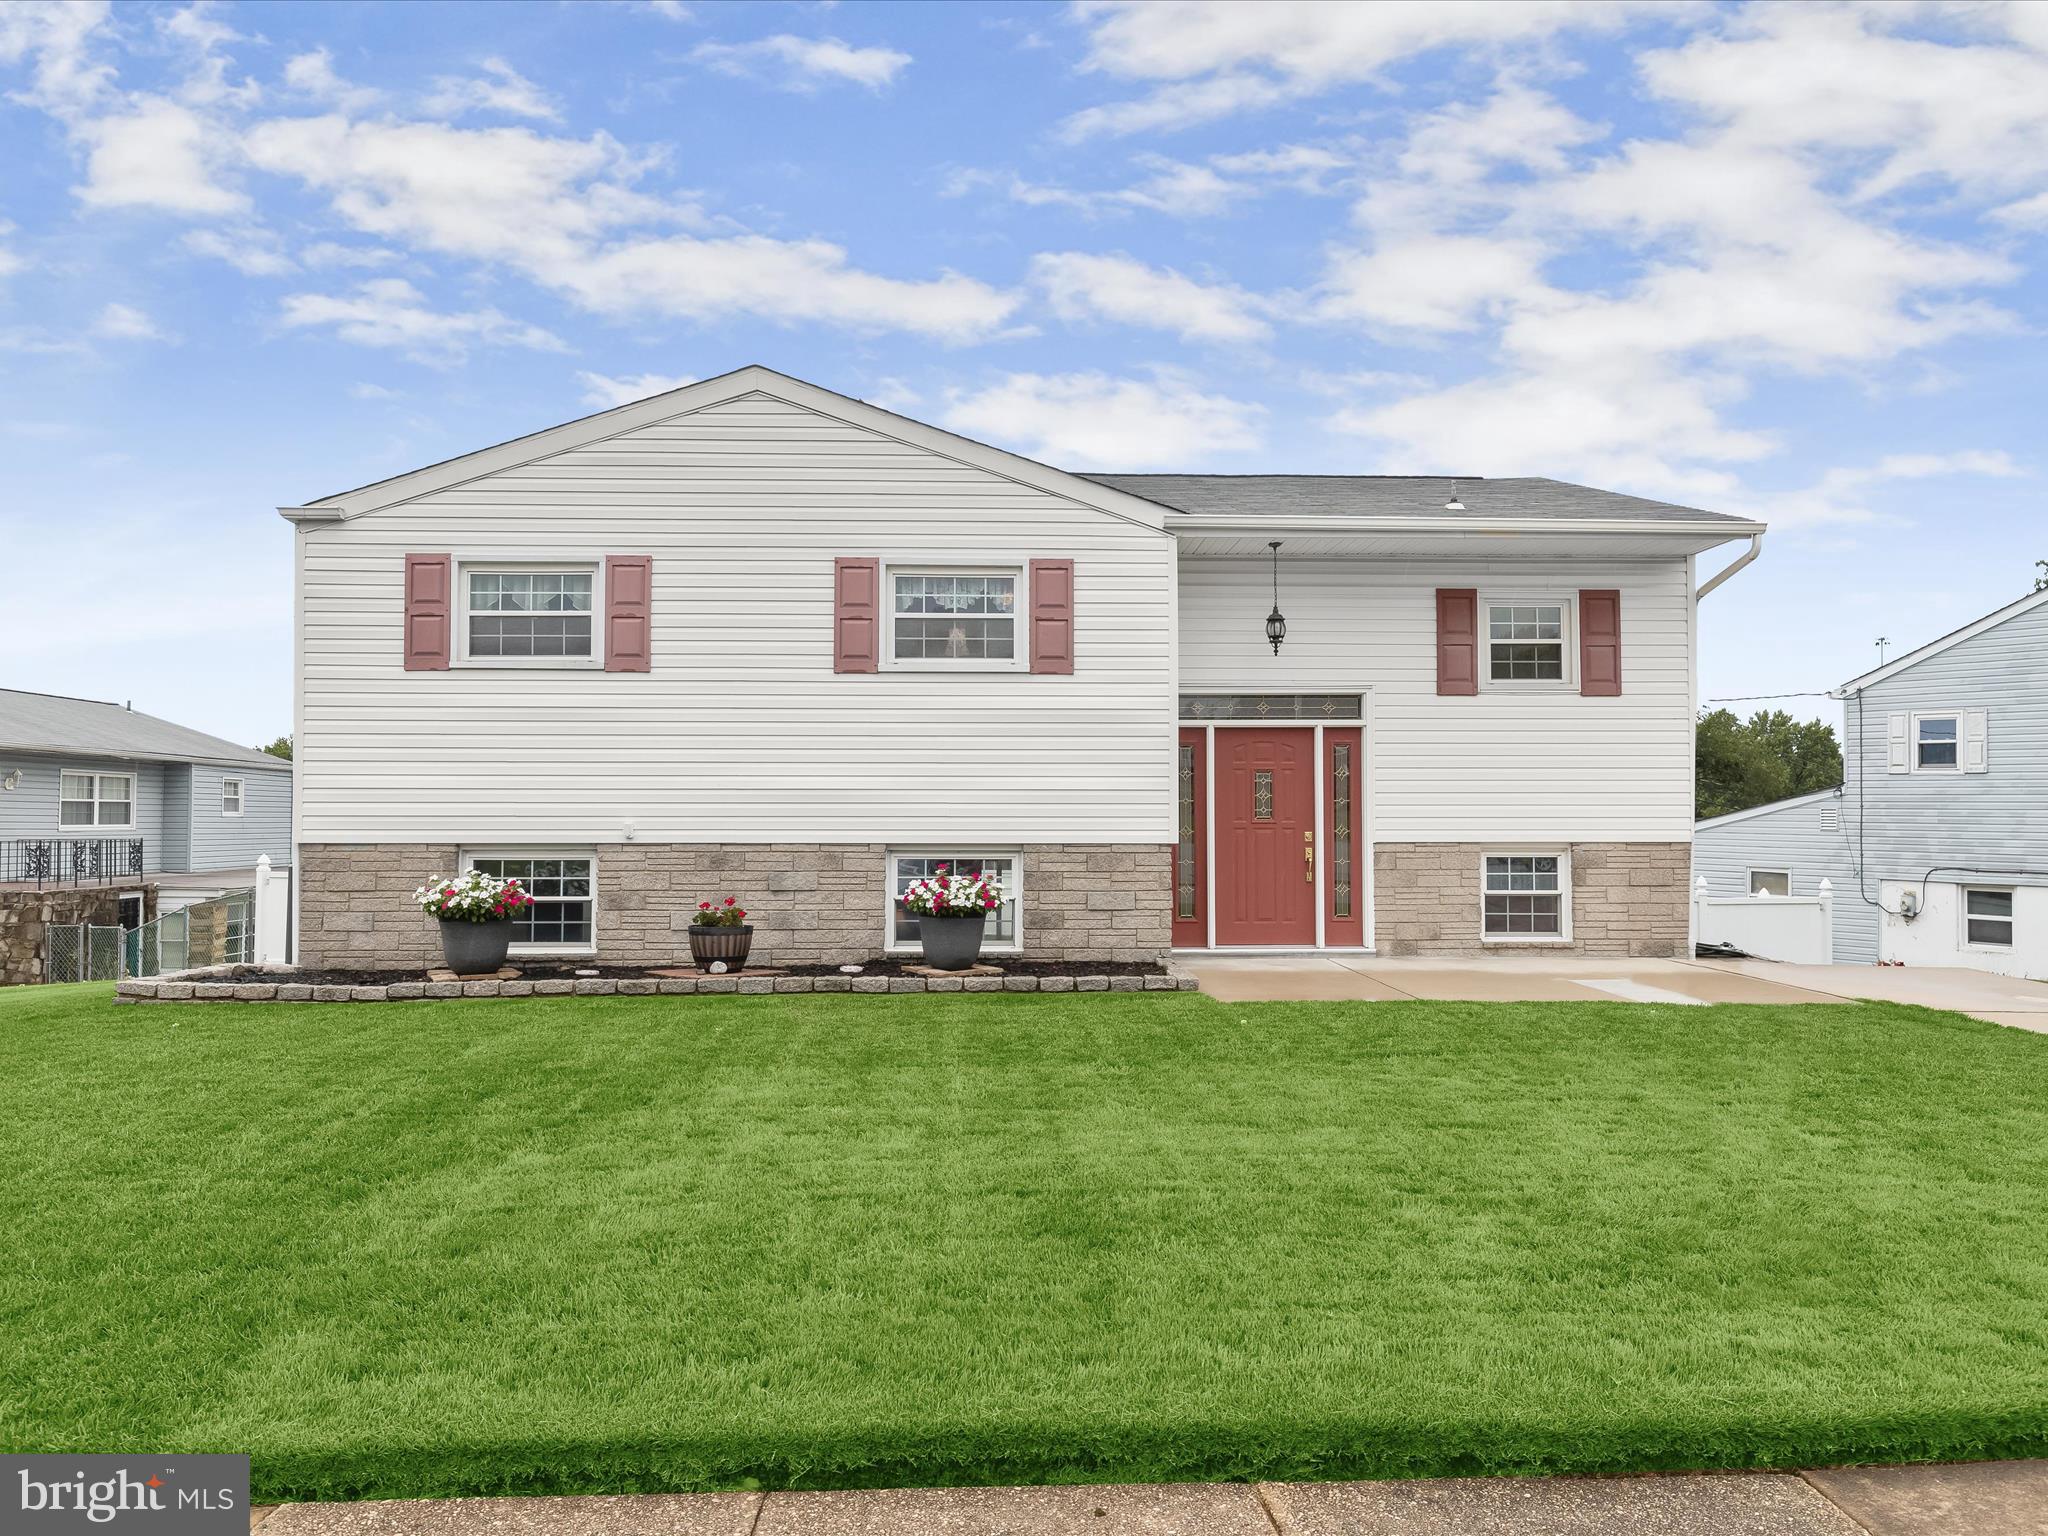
[[1570, 978]]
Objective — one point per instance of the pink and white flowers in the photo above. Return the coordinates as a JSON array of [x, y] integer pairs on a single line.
[[473, 897], [945, 894]]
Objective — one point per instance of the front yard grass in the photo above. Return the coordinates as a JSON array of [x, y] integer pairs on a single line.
[[611, 1244]]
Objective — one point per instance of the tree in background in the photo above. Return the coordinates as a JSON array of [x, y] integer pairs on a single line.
[[1770, 756], [282, 747]]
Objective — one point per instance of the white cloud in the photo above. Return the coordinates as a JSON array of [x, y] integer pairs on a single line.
[[196, 32], [124, 322], [367, 391], [312, 74], [1084, 287], [1094, 421], [1176, 188], [390, 312], [565, 213], [804, 63], [500, 88], [602, 392], [1430, 282], [1845, 494], [672, 10], [331, 253], [1215, 58], [59, 39], [254, 252], [158, 154]]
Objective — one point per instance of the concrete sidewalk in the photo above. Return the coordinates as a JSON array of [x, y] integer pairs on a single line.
[[1572, 978], [1997, 1498]]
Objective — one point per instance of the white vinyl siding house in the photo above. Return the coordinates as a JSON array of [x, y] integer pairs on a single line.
[[742, 731], [751, 638], [1512, 764]]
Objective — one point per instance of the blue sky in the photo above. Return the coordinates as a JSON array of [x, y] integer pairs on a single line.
[[1783, 261]]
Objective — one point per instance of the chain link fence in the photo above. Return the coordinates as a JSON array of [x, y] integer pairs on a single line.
[[218, 931]]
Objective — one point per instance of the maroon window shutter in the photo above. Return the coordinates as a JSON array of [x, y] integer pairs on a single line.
[[856, 615], [427, 632], [1052, 616], [1600, 644], [628, 612], [1457, 640]]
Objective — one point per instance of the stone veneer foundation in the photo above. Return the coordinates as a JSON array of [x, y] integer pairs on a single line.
[[810, 903], [1627, 899]]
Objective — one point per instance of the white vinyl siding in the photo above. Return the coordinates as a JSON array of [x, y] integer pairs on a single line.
[[1507, 765], [1809, 839], [742, 731]]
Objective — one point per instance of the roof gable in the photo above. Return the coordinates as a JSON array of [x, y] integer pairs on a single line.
[[1949, 641], [751, 380], [1770, 808]]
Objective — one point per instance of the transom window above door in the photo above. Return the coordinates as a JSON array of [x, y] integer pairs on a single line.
[[1525, 642], [954, 617], [528, 614]]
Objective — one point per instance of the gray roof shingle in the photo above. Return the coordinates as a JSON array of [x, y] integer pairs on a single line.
[[1399, 496], [49, 722]]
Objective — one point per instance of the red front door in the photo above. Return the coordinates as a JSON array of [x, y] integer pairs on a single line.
[[1265, 836]]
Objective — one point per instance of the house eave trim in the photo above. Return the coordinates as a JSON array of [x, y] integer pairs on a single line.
[[1199, 522]]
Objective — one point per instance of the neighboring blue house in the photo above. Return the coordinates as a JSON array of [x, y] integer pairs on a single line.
[[96, 793], [1937, 843]]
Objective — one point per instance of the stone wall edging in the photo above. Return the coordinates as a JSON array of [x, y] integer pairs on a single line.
[[194, 986]]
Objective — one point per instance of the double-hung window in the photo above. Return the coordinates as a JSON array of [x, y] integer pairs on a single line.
[[529, 615], [1525, 642], [231, 797], [96, 800], [905, 868], [1987, 918], [1936, 744], [563, 916], [954, 618], [1524, 896]]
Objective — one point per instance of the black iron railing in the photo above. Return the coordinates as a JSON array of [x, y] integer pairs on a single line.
[[69, 860]]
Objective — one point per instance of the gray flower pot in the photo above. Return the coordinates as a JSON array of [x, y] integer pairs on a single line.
[[951, 943], [475, 949]]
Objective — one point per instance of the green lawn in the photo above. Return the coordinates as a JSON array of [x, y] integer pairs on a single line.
[[586, 1244]]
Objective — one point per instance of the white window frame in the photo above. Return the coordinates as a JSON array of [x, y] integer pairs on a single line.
[[544, 851], [582, 565], [1913, 742], [1564, 895], [1020, 634], [1567, 640], [2012, 923], [1749, 877], [1013, 893], [240, 797], [98, 800]]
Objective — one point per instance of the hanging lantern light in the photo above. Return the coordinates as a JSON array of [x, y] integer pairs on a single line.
[[1276, 626]]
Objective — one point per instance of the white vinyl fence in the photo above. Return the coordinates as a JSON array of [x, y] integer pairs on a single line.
[[1799, 930], [249, 926]]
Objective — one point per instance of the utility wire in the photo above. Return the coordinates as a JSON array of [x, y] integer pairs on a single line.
[[1745, 698]]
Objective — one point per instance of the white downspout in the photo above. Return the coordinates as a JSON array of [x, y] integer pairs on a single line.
[[1756, 547]]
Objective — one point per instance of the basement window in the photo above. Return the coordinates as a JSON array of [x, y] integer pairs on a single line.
[[1987, 918], [1524, 898]]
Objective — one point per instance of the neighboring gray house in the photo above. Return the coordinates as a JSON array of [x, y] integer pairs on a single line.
[[1937, 844], [96, 791]]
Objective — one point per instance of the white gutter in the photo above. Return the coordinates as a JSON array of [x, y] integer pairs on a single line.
[[1219, 522], [1756, 547]]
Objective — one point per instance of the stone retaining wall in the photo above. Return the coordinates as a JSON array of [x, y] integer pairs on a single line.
[[204, 986], [25, 915]]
